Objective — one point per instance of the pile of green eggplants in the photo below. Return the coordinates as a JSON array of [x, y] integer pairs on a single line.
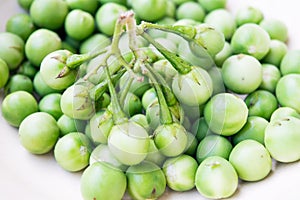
[[141, 95]]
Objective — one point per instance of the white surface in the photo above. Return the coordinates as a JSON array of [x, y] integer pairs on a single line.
[[28, 177]]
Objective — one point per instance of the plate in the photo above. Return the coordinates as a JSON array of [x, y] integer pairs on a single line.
[[31, 177]]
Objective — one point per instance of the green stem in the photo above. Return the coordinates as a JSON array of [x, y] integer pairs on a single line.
[[97, 91], [169, 95], [187, 32], [125, 90], [182, 66], [76, 60], [118, 115], [165, 114]]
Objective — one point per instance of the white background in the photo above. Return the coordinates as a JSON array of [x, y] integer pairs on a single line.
[[29, 177]]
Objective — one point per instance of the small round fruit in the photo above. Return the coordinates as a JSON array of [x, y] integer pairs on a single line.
[[11, 49], [242, 73], [251, 39], [180, 172], [253, 129], [72, 151], [285, 91], [102, 181], [282, 139], [213, 145], [261, 103], [225, 114], [18, 105], [39, 133], [251, 160], [145, 181], [214, 170]]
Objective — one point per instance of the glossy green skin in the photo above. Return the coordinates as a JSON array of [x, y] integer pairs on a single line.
[[41, 87], [214, 170], [200, 129], [242, 73], [17, 106], [11, 49], [290, 63], [4, 71], [149, 97], [170, 139], [271, 76], [76, 106], [67, 125], [282, 139], [27, 69], [106, 24], [225, 114], [41, 12], [102, 181], [85, 5], [213, 145], [278, 50], [51, 67], [190, 10], [276, 29], [251, 160], [222, 20], [210, 5], [21, 25], [128, 142], [193, 88], [79, 24], [150, 10], [248, 14], [101, 153], [261, 103], [40, 43], [180, 172], [253, 129], [285, 91], [72, 151], [101, 124], [141, 119], [25, 3], [97, 40], [51, 104], [225, 53], [211, 38], [283, 112], [19, 82], [145, 181], [132, 104], [38, 133], [251, 39]]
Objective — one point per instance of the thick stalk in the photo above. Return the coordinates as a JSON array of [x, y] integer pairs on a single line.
[[118, 114], [170, 97], [182, 66], [187, 32], [165, 114], [97, 91]]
